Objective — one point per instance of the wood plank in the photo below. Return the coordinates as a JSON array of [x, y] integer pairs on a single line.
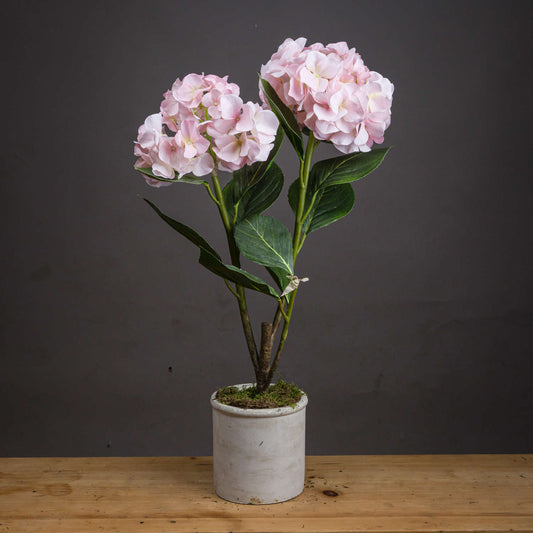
[[343, 493], [273, 525]]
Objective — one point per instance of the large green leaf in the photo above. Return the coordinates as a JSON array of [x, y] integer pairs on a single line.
[[210, 259], [187, 178], [345, 169], [265, 241], [330, 204], [235, 274], [256, 198], [286, 118], [293, 194], [184, 230]]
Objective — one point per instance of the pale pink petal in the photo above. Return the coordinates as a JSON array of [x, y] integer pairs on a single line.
[[296, 88], [220, 127], [325, 112], [264, 151], [328, 66], [190, 151], [339, 48], [203, 165], [266, 125], [162, 170], [228, 148], [310, 79], [155, 183], [230, 106], [246, 119]]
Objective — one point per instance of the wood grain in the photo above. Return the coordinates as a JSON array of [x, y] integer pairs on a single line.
[[456, 493]]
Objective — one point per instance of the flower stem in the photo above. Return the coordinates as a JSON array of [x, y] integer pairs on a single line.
[[235, 259], [210, 192], [234, 252], [284, 333], [298, 239], [305, 168], [228, 285]]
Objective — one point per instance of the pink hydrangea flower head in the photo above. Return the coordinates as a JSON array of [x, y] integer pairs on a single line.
[[208, 125], [331, 92]]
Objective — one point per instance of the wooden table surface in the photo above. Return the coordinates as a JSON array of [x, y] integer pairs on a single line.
[[343, 493]]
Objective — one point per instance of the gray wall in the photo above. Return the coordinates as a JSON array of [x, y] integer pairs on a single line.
[[414, 334]]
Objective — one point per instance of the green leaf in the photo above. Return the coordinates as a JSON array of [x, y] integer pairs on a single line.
[[265, 241], [235, 274], [210, 259], [263, 194], [184, 230], [330, 204], [187, 178], [293, 194], [345, 169], [257, 198], [192, 179], [286, 118]]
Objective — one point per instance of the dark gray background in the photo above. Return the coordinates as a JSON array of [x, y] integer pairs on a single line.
[[414, 334]]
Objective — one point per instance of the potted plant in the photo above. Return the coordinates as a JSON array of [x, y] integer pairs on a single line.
[[310, 94]]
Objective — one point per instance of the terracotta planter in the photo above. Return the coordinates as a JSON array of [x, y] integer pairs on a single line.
[[258, 454]]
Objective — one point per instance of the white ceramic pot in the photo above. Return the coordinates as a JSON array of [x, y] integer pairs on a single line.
[[258, 454]]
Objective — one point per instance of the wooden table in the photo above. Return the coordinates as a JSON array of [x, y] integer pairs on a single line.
[[343, 493]]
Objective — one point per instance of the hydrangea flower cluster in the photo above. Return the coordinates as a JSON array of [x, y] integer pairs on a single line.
[[209, 126], [331, 92]]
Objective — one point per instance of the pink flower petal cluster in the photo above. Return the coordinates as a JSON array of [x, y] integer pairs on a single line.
[[331, 92], [203, 123]]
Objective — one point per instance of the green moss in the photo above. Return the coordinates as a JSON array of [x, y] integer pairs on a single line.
[[281, 394]]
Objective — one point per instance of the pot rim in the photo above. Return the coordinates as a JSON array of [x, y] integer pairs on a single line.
[[257, 413]]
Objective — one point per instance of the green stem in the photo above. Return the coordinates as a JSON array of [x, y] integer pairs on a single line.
[[302, 242], [235, 259], [231, 288], [284, 333], [311, 203], [305, 168], [206, 185], [298, 239], [282, 311], [234, 252], [235, 213]]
